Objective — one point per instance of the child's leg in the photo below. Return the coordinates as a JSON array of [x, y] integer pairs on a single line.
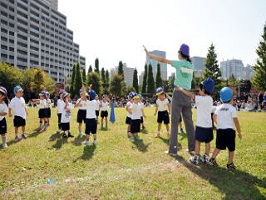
[[80, 125], [230, 157], [207, 148], [215, 153], [159, 129], [197, 147], [106, 122], [168, 130], [3, 138]]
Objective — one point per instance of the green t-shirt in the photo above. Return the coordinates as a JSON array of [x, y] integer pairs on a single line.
[[183, 74]]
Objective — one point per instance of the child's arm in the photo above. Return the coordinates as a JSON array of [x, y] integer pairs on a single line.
[[237, 127], [78, 103], [160, 59], [3, 113], [143, 114], [26, 110], [9, 112], [215, 118], [189, 94], [169, 108], [156, 109]]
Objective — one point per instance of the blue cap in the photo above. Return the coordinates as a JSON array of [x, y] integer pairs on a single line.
[[159, 90], [184, 49], [226, 94], [17, 88], [92, 94], [42, 93], [208, 85], [131, 94], [3, 90]]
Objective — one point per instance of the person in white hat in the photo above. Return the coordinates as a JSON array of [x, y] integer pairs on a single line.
[[3, 111]]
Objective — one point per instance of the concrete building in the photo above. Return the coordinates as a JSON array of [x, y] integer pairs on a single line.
[[232, 67], [199, 65], [128, 74], [34, 34], [248, 72], [154, 63]]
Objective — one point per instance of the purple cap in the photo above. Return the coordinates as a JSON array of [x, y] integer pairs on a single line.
[[184, 49]]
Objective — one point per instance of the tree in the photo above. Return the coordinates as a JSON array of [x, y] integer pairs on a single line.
[[118, 86], [259, 78], [158, 79], [103, 76], [97, 69], [72, 91], [144, 83], [135, 81], [90, 69], [107, 81], [77, 81], [121, 70], [84, 76], [150, 81], [94, 79], [212, 68]]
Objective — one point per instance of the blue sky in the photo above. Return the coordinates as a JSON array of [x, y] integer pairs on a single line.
[[114, 30]]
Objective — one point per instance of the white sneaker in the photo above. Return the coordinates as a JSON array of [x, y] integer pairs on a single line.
[[86, 142], [58, 131], [5, 146], [81, 134], [94, 142]]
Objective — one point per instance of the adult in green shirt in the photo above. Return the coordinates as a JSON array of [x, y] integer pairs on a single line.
[[180, 102]]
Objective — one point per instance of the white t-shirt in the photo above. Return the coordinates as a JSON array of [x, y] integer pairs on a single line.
[[142, 106], [60, 106], [66, 114], [97, 104], [128, 105], [91, 109], [43, 104], [4, 109], [48, 101], [204, 109], [225, 114], [104, 106], [136, 111], [18, 106], [162, 105], [82, 104]]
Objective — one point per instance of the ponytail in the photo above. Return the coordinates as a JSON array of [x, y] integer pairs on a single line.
[[185, 57]]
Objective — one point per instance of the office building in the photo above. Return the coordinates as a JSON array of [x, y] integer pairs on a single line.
[[232, 67], [128, 74], [34, 34], [199, 65]]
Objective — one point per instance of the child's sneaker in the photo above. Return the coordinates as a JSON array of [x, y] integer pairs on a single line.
[[17, 138], [230, 166], [132, 139], [39, 129], [158, 135], [195, 160], [204, 158], [24, 136], [5, 145], [212, 162], [86, 142], [81, 134], [95, 142], [70, 135], [43, 128], [64, 135], [58, 131], [170, 154]]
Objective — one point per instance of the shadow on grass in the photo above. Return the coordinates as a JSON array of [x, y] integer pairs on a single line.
[[104, 129], [88, 152], [234, 184], [55, 136], [59, 143], [78, 140], [144, 131], [35, 134], [182, 135], [141, 146]]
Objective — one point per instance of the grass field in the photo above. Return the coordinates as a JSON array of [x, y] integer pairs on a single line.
[[119, 169]]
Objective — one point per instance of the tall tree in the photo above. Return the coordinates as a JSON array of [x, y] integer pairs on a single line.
[[90, 69], [72, 90], [103, 75], [84, 76], [118, 86], [150, 81], [78, 81], [136, 81], [158, 79], [212, 68], [107, 80], [121, 70], [259, 78], [94, 79], [97, 69], [144, 83]]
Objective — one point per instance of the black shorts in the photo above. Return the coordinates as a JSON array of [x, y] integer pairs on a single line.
[[135, 126], [3, 128], [48, 112], [59, 116], [203, 134], [81, 116], [97, 112], [226, 138], [65, 126], [141, 119], [163, 116], [128, 120], [91, 126], [104, 113], [19, 121], [42, 113]]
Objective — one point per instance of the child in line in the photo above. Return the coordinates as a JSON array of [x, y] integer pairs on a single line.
[[42, 110], [97, 101], [163, 109], [66, 115], [128, 117], [141, 117], [60, 107], [81, 115], [135, 110], [18, 106], [104, 110], [91, 123], [48, 108], [204, 129], [225, 117], [3, 112]]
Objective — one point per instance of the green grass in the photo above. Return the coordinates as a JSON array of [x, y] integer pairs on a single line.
[[119, 169]]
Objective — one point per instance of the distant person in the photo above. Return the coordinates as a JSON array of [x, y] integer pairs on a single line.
[[66, 115], [4, 102], [81, 115], [181, 103], [226, 119], [18, 106]]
